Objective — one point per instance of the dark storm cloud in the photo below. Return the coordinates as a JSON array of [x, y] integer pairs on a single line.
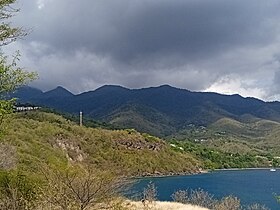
[[127, 29], [193, 44]]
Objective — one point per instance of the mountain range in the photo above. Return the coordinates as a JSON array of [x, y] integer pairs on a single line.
[[160, 111]]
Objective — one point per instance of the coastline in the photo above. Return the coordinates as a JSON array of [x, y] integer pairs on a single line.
[[204, 171], [170, 174], [241, 169], [227, 181]]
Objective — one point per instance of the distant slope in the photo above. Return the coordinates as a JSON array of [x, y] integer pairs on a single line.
[[27, 94], [142, 118], [256, 136], [255, 129], [161, 111]]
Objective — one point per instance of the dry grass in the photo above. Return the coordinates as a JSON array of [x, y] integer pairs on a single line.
[[162, 205], [8, 158]]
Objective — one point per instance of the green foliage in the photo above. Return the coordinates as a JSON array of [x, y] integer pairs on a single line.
[[87, 122], [18, 191], [8, 33], [229, 143], [6, 107], [277, 197], [276, 162], [11, 76], [257, 137], [141, 118], [48, 138], [216, 159]]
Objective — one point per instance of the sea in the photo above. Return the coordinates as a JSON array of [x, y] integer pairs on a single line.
[[250, 186]]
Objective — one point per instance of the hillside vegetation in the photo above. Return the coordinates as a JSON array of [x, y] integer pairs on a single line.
[[48, 138], [235, 136], [160, 111], [52, 163], [244, 131], [229, 143]]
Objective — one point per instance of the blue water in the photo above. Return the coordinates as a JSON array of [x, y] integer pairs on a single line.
[[251, 186]]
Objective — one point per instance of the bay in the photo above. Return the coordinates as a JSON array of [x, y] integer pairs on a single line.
[[251, 186]]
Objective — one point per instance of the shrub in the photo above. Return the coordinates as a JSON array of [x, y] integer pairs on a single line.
[[197, 197], [180, 196], [228, 203], [256, 206], [18, 191], [80, 188], [150, 193], [202, 198]]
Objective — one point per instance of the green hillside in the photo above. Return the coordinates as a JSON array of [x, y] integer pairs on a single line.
[[159, 111], [40, 137], [260, 135], [141, 118], [233, 143]]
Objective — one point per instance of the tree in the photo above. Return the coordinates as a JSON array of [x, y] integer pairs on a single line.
[[8, 33], [11, 76], [81, 188]]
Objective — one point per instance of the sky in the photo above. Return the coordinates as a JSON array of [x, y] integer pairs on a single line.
[[229, 47]]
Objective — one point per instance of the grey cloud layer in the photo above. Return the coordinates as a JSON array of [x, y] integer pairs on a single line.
[[192, 44]]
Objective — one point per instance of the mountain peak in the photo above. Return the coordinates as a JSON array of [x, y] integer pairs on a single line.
[[165, 86], [59, 91], [111, 88], [60, 87]]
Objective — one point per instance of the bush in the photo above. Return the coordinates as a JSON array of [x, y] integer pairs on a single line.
[[149, 196], [202, 198], [256, 206], [228, 203], [180, 196], [18, 191], [80, 188], [197, 197], [150, 193]]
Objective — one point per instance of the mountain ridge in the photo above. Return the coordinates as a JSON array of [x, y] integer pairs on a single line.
[[106, 87], [165, 108]]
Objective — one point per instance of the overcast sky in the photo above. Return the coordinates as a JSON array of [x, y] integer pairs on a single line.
[[226, 46]]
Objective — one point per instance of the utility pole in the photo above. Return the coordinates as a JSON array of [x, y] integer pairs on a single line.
[[81, 118]]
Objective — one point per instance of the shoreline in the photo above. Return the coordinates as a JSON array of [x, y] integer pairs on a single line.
[[170, 174], [199, 172], [241, 169]]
